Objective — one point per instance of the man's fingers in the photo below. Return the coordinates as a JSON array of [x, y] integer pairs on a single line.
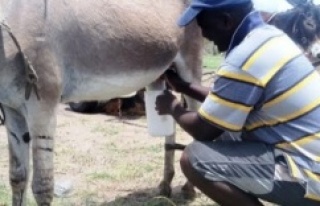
[[170, 72]]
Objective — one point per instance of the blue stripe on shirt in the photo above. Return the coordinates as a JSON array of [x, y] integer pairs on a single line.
[[292, 130], [237, 91], [287, 77]]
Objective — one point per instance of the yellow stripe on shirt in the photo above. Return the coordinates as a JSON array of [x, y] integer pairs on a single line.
[[293, 167], [300, 142], [268, 49], [261, 51], [312, 175], [232, 105], [283, 119], [294, 53], [219, 122], [312, 197], [239, 77], [294, 89]]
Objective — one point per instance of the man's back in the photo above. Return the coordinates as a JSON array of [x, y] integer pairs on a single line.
[[285, 99]]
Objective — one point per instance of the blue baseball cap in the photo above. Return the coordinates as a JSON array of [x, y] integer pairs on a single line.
[[197, 6]]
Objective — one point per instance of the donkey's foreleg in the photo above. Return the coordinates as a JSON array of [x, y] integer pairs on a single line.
[[168, 173], [19, 139]]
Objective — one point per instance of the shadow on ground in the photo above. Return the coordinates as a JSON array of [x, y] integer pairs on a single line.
[[150, 197]]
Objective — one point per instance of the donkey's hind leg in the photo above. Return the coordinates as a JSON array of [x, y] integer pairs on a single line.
[[170, 142], [42, 125], [168, 172], [19, 139], [189, 67]]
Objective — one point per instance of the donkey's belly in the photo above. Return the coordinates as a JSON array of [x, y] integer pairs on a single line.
[[115, 51], [84, 86]]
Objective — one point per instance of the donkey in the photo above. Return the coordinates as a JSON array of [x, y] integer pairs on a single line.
[[302, 24], [79, 50]]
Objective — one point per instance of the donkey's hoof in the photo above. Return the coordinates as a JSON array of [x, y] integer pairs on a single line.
[[188, 191], [165, 189]]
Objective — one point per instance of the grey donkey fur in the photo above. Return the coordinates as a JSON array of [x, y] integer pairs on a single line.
[[84, 50]]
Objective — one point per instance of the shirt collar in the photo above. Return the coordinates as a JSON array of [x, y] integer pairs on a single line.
[[250, 22]]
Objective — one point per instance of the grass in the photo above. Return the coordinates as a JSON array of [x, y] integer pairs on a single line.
[[107, 131], [102, 176], [4, 194], [211, 62], [121, 172]]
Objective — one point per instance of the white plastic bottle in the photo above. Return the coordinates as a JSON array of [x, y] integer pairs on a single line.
[[158, 125]]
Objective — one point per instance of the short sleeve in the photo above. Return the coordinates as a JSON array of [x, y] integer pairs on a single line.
[[233, 95]]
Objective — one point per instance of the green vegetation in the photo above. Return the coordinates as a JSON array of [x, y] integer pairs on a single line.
[[5, 194], [101, 176], [106, 131], [211, 62]]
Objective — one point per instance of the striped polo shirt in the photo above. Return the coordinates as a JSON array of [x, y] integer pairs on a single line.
[[268, 90]]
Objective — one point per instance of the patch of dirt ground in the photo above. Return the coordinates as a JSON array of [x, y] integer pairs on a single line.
[[107, 160]]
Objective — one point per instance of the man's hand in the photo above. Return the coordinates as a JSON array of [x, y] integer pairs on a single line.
[[174, 81], [193, 90], [166, 102]]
